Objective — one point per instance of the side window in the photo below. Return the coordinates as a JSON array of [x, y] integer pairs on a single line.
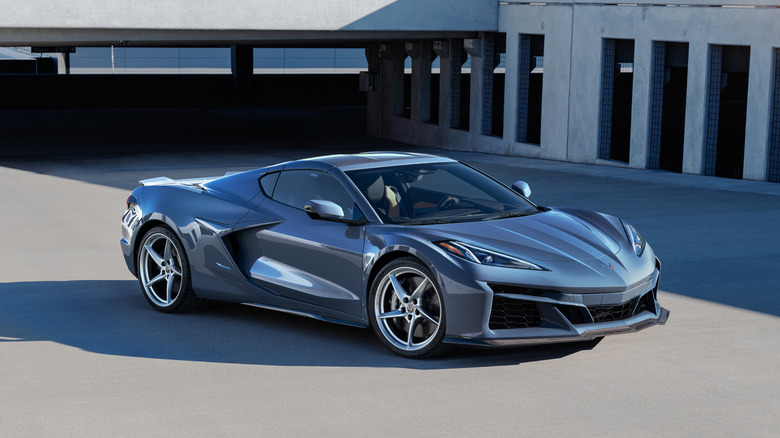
[[296, 187], [268, 182]]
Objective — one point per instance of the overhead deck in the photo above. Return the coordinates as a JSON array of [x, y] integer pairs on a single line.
[[183, 22]]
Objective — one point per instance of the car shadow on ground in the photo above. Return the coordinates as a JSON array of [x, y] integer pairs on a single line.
[[111, 317]]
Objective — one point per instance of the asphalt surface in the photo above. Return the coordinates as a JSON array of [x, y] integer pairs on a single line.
[[83, 354]]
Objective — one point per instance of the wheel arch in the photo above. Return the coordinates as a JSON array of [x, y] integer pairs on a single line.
[[143, 229], [395, 253]]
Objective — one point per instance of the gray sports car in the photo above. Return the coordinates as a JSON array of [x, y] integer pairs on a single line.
[[427, 250]]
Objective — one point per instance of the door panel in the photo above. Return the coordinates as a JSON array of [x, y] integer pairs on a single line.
[[314, 261]]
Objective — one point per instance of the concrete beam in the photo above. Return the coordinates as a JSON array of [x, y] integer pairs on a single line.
[[205, 38], [278, 15]]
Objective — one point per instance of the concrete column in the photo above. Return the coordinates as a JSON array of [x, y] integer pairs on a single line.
[[695, 107], [759, 104], [640, 103], [421, 80], [374, 95], [442, 48], [241, 65], [474, 47], [396, 88], [456, 63]]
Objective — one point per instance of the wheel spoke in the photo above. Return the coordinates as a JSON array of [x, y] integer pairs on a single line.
[[153, 254], [427, 316], [169, 289], [175, 269], [167, 253], [392, 314], [420, 289], [154, 280], [398, 289], [410, 338]]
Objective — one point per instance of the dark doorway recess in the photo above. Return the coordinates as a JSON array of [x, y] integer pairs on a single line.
[[621, 100], [617, 83], [462, 87], [673, 114], [530, 70], [733, 112], [407, 88], [773, 171], [535, 81]]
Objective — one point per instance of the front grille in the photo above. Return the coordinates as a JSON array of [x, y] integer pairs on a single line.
[[612, 313], [507, 313], [512, 289]]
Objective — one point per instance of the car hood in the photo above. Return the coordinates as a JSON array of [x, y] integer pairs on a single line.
[[548, 236]]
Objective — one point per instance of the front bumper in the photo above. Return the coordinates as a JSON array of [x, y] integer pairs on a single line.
[[522, 315], [584, 332]]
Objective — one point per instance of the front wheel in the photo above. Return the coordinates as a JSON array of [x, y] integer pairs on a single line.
[[406, 309], [163, 271]]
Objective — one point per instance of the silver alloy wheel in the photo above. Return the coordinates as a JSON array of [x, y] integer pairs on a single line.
[[160, 272], [408, 308]]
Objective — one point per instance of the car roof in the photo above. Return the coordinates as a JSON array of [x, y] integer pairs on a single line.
[[368, 160]]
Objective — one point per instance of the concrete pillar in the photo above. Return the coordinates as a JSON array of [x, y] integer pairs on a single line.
[[396, 88], [374, 94], [759, 104], [420, 52], [241, 65], [640, 103], [474, 47], [442, 48], [456, 63], [695, 107]]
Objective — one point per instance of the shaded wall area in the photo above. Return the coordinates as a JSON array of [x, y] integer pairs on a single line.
[[161, 91]]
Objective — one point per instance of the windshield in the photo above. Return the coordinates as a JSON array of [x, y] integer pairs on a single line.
[[437, 193]]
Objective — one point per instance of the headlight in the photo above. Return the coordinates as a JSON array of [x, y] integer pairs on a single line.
[[634, 238], [485, 256]]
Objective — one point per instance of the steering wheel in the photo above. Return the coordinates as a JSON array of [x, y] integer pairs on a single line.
[[447, 202]]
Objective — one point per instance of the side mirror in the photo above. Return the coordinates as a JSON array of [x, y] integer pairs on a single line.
[[321, 209], [523, 188]]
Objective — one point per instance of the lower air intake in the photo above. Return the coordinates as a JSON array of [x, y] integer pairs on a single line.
[[507, 313], [612, 313]]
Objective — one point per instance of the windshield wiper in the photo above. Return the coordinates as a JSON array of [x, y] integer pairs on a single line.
[[426, 222], [507, 214]]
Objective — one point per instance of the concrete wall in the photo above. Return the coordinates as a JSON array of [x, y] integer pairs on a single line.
[[574, 33]]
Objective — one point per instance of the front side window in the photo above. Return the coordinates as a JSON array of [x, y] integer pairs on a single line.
[[296, 187], [437, 193]]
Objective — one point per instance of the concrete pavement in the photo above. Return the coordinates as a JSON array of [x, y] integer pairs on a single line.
[[83, 354]]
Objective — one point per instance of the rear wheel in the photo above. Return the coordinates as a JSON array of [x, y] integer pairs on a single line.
[[407, 310], [164, 273]]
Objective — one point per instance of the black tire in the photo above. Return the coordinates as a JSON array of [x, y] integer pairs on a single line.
[[162, 264], [392, 312]]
